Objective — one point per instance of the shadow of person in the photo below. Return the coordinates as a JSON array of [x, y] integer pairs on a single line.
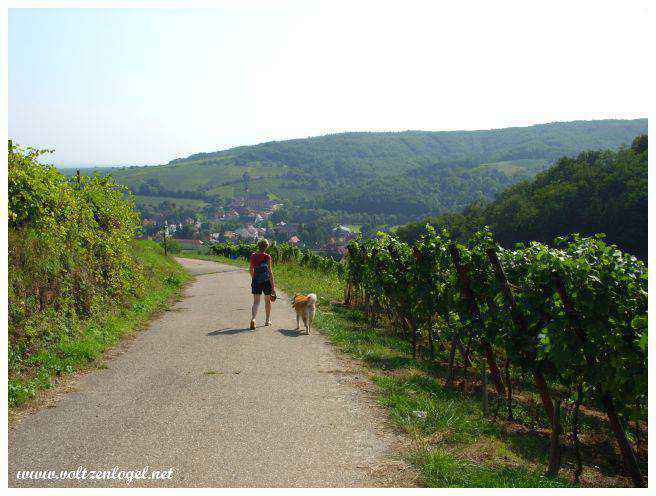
[[220, 332], [292, 333]]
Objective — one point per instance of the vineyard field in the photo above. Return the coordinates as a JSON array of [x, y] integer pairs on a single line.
[[570, 318]]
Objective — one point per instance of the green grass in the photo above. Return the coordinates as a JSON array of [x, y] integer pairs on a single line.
[[444, 470], [89, 339]]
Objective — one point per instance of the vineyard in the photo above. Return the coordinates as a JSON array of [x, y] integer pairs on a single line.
[[567, 321], [74, 266], [281, 253]]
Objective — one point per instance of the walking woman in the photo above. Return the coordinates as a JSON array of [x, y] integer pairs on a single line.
[[262, 281]]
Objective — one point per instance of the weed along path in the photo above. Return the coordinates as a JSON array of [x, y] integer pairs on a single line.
[[219, 404]]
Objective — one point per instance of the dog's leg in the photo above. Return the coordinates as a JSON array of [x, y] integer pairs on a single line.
[[308, 322], [298, 322]]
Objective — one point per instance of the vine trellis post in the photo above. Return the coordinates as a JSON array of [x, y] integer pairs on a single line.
[[468, 296], [521, 324]]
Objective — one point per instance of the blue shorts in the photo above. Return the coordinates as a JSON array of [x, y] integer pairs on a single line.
[[263, 287]]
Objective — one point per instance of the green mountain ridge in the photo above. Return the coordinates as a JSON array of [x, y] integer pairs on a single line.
[[396, 175], [597, 191]]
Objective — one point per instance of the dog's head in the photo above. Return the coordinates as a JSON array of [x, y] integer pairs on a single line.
[[303, 300]]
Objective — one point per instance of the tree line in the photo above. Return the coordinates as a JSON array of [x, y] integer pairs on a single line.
[[601, 191]]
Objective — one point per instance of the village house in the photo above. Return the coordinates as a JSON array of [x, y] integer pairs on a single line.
[[251, 233], [344, 232], [230, 236]]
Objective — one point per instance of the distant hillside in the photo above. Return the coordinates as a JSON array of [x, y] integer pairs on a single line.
[[603, 191], [403, 175]]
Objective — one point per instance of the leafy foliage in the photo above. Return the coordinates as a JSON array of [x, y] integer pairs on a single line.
[[601, 343], [72, 257], [597, 191]]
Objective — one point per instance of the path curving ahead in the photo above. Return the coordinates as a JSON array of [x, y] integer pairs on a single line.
[[220, 404]]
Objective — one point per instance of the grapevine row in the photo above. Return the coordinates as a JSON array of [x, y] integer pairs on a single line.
[[281, 253], [573, 316]]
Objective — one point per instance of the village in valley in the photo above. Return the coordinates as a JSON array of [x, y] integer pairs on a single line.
[[245, 218]]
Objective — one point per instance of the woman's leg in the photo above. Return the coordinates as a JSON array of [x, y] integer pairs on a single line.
[[267, 308], [256, 305]]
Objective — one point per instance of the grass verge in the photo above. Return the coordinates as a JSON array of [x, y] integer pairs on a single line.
[[79, 344]]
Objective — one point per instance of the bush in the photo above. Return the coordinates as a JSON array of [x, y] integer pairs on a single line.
[[71, 252]]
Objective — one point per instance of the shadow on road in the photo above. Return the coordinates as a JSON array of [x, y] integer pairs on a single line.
[[291, 333], [228, 331]]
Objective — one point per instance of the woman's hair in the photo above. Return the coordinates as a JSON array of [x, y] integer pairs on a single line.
[[263, 244]]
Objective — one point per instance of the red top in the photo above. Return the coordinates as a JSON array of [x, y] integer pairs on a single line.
[[258, 258]]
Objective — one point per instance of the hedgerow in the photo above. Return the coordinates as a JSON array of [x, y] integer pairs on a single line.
[[72, 257]]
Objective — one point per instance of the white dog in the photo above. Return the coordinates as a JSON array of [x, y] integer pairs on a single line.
[[305, 307]]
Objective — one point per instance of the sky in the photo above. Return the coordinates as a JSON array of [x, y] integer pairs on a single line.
[[148, 85]]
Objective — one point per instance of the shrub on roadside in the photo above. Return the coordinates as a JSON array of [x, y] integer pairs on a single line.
[[72, 259]]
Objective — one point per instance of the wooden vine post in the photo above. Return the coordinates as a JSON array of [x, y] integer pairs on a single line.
[[509, 386], [521, 324], [166, 228], [348, 290], [467, 294], [554, 444], [409, 321], [576, 443], [484, 372], [455, 342], [628, 454]]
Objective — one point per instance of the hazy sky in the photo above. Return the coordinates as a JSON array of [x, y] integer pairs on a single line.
[[145, 86]]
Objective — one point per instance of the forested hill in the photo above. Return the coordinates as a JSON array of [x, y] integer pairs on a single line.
[[402, 175], [602, 191]]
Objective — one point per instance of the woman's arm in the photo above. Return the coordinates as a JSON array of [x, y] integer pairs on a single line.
[[273, 281]]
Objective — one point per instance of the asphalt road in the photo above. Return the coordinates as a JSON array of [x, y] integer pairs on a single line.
[[219, 404]]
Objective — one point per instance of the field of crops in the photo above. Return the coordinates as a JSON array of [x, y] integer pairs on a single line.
[[572, 317]]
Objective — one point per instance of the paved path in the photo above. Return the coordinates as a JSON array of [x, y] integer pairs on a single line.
[[220, 404]]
